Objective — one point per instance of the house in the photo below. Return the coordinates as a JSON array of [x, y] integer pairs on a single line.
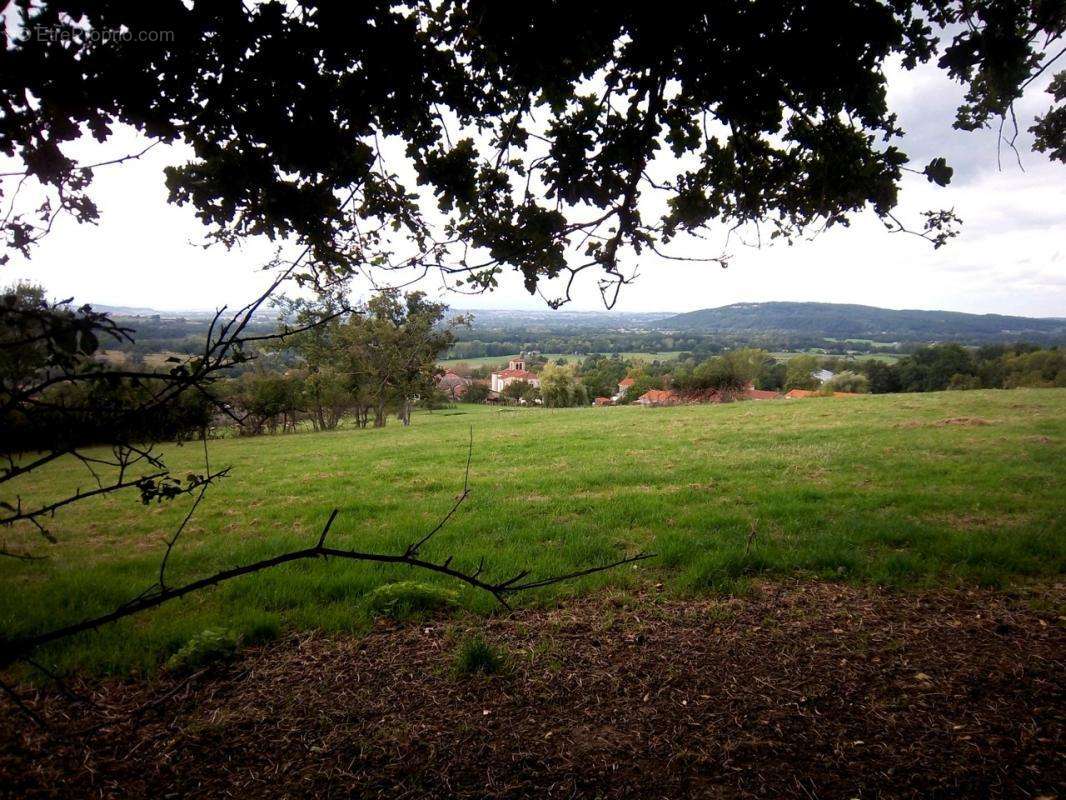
[[658, 397], [452, 385], [516, 371], [623, 387], [603, 401], [822, 375]]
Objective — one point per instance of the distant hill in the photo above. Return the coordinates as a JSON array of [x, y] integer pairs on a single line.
[[546, 318], [140, 311], [842, 321]]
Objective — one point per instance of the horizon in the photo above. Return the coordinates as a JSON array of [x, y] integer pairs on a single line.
[[133, 307]]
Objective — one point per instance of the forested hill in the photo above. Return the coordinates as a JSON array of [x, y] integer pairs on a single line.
[[866, 322]]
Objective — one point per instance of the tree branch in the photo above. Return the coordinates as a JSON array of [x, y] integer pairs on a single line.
[[19, 648]]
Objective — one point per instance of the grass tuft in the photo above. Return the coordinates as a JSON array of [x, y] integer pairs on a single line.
[[209, 646], [476, 656], [407, 599]]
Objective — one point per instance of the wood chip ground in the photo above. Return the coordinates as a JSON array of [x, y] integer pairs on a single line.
[[805, 691]]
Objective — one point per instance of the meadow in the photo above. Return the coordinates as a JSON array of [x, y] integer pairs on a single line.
[[785, 355], [906, 491], [570, 358], [666, 355]]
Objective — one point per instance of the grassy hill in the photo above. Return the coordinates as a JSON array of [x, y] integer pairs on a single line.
[[905, 490], [843, 321]]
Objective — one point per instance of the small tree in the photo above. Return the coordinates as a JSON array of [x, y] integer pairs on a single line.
[[519, 391], [392, 349], [267, 400], [772, 376], [475, 393], [800, 371], [327, 390], [883, 378], [558, 386]]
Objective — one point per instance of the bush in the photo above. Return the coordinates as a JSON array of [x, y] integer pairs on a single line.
[[210, 646], [475, 655], [475, 393], [405, 599], [848, 381]]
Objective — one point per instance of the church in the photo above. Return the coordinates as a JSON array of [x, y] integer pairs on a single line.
[[516, 371]]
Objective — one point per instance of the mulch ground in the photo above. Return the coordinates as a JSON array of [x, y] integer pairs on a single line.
[[807, 690]]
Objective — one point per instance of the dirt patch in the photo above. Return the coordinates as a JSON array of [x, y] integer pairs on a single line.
[[981, 522], [808, 690], [965, 421]]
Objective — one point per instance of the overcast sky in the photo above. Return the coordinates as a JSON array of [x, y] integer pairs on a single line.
[[1010, 258]]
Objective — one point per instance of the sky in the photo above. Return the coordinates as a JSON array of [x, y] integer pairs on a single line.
[[1009, 259]]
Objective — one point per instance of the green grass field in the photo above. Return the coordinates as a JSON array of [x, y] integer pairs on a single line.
[[569, 358], [907, 490], [889, 358], [634, 356]]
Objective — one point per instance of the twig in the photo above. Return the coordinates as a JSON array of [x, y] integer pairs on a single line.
[[18, 649]]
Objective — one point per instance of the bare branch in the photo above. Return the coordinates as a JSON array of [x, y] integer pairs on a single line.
[[18, 649]]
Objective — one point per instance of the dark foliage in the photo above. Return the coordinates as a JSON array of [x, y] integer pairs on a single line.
[[539, 127]]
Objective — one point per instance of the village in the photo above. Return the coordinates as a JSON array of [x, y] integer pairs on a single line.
[[523, 381]]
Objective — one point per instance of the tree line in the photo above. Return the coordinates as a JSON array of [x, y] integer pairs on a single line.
[[361, 364], [929, 368]]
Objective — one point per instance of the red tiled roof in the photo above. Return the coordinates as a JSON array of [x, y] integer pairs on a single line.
[[602, 401], [625, 383], [658, 396], [521, 374], [794, 393]]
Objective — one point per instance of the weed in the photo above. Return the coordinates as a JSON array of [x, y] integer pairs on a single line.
[[209, 646], [407, 599], [476, 656]]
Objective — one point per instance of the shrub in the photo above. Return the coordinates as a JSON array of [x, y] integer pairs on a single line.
[[475, 393], [209, 646], [408, 598], [848, 381], [475, 655]]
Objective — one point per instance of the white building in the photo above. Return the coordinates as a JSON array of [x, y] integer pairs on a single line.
[[623, 387], [822, 375], [516, 371]]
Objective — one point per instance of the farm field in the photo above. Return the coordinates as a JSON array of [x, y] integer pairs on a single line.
[[899, 490], [635, 356], [569, 357], [890, 358], [153, 360]]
